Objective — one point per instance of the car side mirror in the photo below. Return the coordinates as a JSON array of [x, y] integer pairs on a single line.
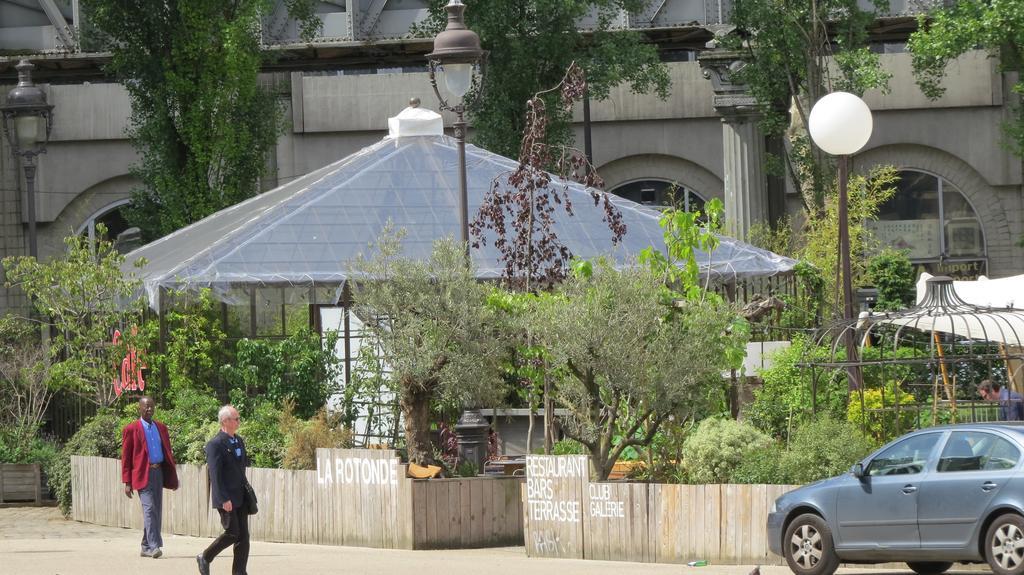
[[858, 470]]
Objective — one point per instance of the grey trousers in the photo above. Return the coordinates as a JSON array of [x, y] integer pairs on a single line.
[[152, 498]]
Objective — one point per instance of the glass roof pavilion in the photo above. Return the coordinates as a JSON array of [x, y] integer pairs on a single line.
[[304, 232]]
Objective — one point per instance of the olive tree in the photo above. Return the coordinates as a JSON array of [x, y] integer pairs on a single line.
[[631, 357], [430, 323]]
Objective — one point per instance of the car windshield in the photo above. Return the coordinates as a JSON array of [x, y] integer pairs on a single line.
[[904, 457]]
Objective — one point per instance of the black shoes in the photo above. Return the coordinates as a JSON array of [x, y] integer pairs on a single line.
[[204, 565]]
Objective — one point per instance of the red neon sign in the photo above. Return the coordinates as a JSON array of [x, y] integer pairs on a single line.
[[131, 370]]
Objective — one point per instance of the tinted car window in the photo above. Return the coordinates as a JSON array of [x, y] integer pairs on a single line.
[[904, 458], [977, 451]]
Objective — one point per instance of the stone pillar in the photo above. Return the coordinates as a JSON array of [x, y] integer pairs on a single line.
[[743, 144], [746, 187]]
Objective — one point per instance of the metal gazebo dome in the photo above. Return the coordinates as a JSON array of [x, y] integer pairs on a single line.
[[922, 365]]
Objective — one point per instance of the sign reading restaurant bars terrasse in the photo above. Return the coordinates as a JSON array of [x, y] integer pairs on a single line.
[[555, 488]]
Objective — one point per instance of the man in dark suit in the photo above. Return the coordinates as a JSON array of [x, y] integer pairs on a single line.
[[147, 466], [227, 459]]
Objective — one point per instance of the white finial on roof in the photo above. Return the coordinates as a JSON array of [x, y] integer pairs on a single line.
[[415, 121]]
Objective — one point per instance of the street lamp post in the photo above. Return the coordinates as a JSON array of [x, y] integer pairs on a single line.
[[27, 121], [840, 124], [455, 57]]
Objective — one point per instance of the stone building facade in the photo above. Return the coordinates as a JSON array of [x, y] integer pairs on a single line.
[[962, 211]]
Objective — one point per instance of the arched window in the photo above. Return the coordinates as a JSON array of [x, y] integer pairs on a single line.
[[660, 194], [930, 218], [110, 216]]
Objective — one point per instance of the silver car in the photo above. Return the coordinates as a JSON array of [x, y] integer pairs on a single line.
[[930, 498]]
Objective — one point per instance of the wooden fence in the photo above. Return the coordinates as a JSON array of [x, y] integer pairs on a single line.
[[568, 516], [20, 483], [355, 497]]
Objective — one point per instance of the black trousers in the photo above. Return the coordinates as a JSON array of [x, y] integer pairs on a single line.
[[236, 533]]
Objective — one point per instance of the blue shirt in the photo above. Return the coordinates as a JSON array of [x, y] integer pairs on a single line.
[[1011, 405], [153, 445], [236, 447]]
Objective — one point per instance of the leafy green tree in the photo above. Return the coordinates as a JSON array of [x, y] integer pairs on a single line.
[[200, 119], [788, 46], [893, 276], [83, 297], [430, 321], [25, 390], [532, 43], [946, 33], [301, 369], [195, 342], [821, 234], [631, 359]]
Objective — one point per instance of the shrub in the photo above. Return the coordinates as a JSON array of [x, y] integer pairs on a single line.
[[786, 399], [761, 466], [100, 436], [302, 369], [821, 449], [304, 437], [878, 416], [261, 429], [893, 276], [718, 447], [21, 444], [568, 447], [191, 420]]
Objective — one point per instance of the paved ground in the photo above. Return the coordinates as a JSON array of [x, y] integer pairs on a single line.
[[38, 541]]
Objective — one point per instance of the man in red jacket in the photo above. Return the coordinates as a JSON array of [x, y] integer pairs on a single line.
[[147, 466]]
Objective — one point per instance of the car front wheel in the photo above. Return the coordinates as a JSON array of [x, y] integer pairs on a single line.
[[1004, 545], [929, 567], [808, 546]]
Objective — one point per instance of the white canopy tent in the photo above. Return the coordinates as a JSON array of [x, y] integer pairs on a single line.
[[976, 310], [984, 292]]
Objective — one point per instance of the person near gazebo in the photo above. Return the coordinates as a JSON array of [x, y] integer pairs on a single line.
[[1011, 403]]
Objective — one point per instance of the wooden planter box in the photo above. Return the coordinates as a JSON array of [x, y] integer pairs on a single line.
[[20, 483], [357, 498], [568, 516]]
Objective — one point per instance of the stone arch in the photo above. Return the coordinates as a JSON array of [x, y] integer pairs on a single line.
[[662, 167], [982, 196], [105, 194]]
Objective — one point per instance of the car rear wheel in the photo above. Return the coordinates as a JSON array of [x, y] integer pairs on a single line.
[[808, 546], [929, 567], [1004, 545]]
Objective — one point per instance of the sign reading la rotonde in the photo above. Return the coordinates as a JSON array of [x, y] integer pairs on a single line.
[[339, 467]]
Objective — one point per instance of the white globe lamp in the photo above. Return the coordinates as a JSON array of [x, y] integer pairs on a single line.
[[840, 123]]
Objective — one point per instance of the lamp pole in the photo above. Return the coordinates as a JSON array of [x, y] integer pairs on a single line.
[[840, 124], [27, 122], [456, 54]]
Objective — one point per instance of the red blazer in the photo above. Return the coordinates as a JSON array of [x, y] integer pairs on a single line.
[[135, 456]]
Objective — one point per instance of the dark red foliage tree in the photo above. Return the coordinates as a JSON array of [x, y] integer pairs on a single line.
[[520, 205]]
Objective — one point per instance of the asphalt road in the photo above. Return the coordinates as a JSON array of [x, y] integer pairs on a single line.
[[38, 541]]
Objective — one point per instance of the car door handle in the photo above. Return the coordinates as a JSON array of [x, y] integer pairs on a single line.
[[988, 486], [908, 489]]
